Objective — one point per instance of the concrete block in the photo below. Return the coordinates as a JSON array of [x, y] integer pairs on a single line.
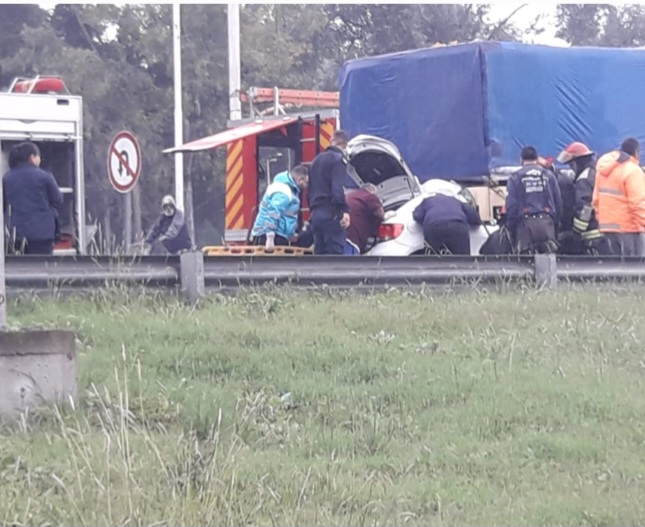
[[36, 367], [193, 286], [546, 271]]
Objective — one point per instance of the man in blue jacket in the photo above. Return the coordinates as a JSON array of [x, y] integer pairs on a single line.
[[329, 212], [446, 222], [277, 219], [533, 205], [31, 202]]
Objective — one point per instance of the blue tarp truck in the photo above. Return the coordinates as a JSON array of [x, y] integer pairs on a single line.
[[462, 112]]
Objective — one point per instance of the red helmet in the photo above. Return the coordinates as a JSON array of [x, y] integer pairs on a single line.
[[573, 151]]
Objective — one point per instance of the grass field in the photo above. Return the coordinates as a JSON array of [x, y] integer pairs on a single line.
[[330, 409]]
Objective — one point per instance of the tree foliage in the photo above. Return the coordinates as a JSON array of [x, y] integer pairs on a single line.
[[606, 25], [119, 58]]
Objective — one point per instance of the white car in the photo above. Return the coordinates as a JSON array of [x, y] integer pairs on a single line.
[[374, 160]]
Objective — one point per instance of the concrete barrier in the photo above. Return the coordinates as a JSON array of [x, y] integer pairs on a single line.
[[36, 367]]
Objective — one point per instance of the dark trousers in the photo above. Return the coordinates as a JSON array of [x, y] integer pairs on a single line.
[[329, 236], [452, 237], [40, 247], [571, 243], [536, 234], [278, 240], [622, 244]]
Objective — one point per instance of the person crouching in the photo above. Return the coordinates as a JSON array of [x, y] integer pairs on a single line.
[[446, 224]]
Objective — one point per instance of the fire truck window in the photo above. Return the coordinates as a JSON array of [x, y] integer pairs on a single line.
[[271, 162]]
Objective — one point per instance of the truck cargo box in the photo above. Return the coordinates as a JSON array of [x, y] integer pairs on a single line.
[[460, 112]]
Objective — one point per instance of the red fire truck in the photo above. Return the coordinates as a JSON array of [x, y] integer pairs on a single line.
[[269, 141]]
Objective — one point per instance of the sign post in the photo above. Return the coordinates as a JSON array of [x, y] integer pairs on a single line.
[[124, 168], [3, 289]]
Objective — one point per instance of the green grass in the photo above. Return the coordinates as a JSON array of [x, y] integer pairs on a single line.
[[523, 408]]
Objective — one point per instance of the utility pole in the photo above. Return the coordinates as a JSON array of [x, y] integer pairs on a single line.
[[234, 70], [3, 290], [179, 117]]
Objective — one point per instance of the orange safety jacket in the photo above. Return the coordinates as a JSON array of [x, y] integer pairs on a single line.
[[619, 194]]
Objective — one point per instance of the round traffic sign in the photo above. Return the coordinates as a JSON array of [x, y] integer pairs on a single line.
[[124, 162]]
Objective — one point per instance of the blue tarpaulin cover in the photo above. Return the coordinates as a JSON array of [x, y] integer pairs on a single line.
[[459, 111]]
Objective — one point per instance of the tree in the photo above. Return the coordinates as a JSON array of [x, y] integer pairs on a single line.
[[602, 24], [13, 19]]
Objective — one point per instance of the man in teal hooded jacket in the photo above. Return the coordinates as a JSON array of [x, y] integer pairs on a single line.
[[277, 219]]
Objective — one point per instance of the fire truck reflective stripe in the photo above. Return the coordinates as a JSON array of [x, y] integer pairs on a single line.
[[233, 174], [234, 190], [235, 217], [233, 213], [235, 150], [326, 131], [234, 182]]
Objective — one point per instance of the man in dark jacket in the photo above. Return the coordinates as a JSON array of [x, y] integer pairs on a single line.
[[366, 212], [31, 202], [533, 205], [446, 221], [329, 212], [579, 232], [170, 229]]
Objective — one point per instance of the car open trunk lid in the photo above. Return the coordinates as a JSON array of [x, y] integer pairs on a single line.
[[377, 161]]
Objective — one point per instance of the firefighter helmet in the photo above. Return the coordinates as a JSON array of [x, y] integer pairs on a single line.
[[573, 151]]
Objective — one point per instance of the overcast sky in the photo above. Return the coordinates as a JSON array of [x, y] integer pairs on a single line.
[[525, 16], [499, 11]]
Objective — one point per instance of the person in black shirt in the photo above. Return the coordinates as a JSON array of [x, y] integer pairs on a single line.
[[329, 211]]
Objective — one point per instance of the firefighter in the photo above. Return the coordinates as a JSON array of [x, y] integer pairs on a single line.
[[533, 205], [619, 200], [579, 232], [277, 218], [446, 221], [329, 211]]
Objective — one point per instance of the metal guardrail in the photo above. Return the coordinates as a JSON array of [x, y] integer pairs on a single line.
[[226, 272], [85, 272], [360, 271]]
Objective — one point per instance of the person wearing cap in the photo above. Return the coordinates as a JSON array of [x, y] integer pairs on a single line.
[[170, 229], [533, 205], [579, 232], [619, 200]]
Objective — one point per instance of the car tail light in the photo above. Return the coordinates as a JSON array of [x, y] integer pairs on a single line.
[[389, 231]]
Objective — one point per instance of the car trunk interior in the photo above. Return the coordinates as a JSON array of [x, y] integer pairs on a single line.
[[387, 174]]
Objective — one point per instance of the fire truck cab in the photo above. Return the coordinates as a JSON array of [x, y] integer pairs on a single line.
[[43, 111], [266, 143]]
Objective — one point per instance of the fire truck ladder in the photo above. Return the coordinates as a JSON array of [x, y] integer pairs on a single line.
[[284, 98]]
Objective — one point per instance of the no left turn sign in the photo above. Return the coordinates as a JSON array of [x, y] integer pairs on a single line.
[[124, 162]]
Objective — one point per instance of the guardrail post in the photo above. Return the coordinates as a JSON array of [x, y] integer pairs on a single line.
[[192, 275], [546, 271]]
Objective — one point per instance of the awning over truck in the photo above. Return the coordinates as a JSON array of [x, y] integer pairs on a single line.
[[223, 138]]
